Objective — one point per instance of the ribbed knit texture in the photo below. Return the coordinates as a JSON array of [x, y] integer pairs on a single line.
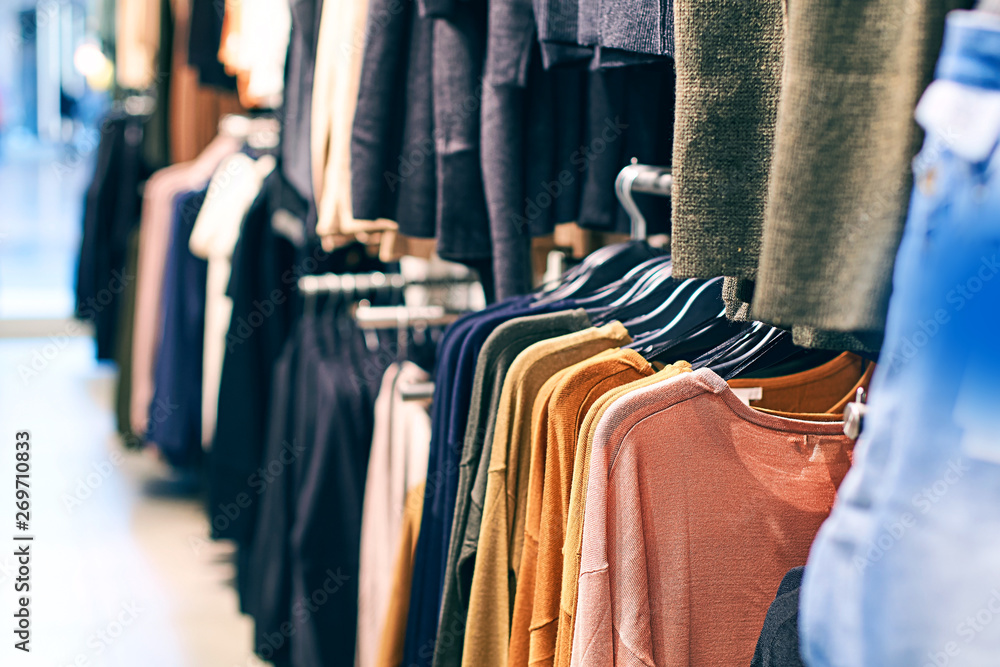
[[637, 26], [864, 342], [736, 293], [697, 505], [738, 310], [556, 20], [840, 181], [501, 538], [588, 16], [728, 59]]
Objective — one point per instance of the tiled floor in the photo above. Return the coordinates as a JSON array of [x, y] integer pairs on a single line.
[[123, 574]]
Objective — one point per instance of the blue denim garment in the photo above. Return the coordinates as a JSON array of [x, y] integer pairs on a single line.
[[906, 571]]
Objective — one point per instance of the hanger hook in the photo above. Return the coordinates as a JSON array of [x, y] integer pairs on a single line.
[[641, 178], [623, 188]]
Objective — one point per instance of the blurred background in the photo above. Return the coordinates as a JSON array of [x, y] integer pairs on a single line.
[[54, 86], [123, 571]]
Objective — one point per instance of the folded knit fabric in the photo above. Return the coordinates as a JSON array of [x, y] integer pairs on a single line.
[[806, 197], [728, 58], [840, 178]]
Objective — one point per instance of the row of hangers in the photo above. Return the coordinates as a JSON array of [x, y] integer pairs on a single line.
[[359, 291], [632, 282], [669, 319]]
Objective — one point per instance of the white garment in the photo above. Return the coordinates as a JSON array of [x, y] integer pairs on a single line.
[[397, 464], [265, 29], [254, 49], [234, 186], [137, 30], [336, 81]]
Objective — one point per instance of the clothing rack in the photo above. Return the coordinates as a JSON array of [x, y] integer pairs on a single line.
[[402, 317], [399, 318], [641, 178], [332, 283]]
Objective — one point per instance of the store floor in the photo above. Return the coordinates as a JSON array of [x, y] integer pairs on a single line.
[[122, 573]]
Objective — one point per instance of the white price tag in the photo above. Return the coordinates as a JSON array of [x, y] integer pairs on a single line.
[[747, 394]]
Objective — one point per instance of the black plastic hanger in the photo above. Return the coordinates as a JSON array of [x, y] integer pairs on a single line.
[[708, 337], [618, 288], [652, 312], [702, 306], [576, 274], [600, 269], [736, 346], [650, 291], [776, 347]]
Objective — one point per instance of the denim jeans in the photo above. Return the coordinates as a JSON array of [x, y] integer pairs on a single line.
[[906, 571]]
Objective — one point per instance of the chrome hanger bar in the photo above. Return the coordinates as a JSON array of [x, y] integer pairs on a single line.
[[402, 317], [241, 127], [417, 391], [641, 178], [854, 414], [333, 283]]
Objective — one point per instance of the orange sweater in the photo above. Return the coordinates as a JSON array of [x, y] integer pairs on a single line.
[[536, 606]]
